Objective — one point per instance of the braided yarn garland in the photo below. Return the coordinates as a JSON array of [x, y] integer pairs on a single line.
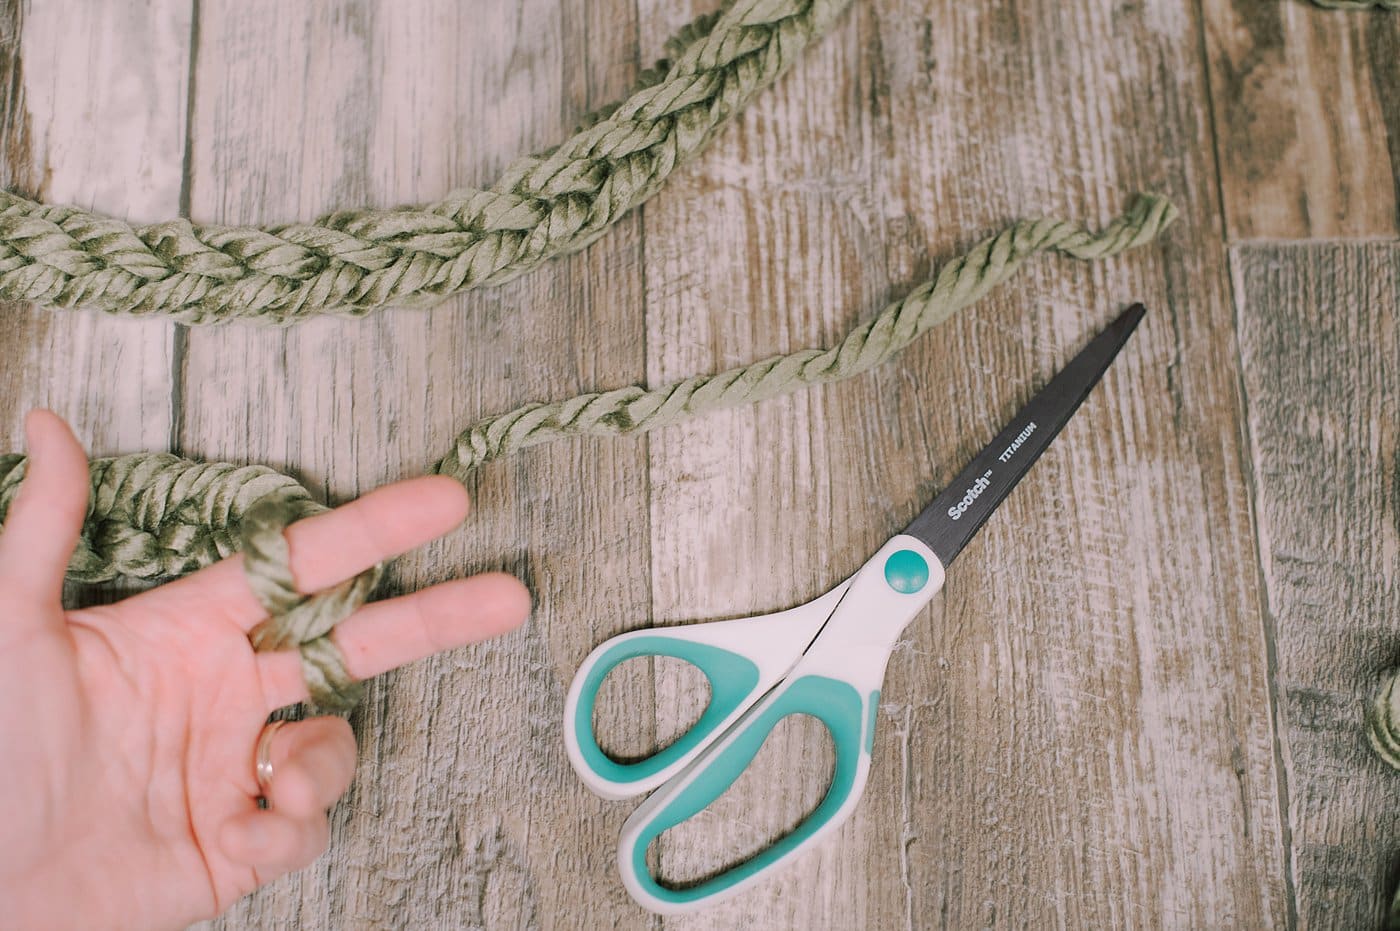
[[355, 261], [155, 515]]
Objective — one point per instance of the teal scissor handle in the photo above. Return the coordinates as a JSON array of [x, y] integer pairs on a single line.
[[836, 680], [850, 718], [741, 659]]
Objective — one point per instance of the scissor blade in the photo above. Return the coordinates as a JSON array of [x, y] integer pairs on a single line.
[[959, 512]]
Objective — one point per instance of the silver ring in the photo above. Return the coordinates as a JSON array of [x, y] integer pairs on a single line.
[[262, 757]]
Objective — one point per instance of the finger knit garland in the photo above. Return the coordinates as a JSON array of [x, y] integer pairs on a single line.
[[355, 261]]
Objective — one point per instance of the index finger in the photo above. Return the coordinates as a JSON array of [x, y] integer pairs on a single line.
[[326, 549]]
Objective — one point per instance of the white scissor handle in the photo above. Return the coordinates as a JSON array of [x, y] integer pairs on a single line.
[[837, 681], [742, 659]]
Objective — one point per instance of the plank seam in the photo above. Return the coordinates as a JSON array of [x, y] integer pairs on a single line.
[[1268, 622], [179, 337]]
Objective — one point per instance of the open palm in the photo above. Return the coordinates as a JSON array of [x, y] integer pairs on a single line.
[[127, 731]]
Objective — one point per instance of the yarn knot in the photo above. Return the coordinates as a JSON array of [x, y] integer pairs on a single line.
[[295, 619]]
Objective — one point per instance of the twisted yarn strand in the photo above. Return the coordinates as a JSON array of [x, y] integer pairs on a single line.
[[355, 261], [958, 284]]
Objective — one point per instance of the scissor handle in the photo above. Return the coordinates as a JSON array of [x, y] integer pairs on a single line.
[[742, 659], [837, 681], [847, 714]]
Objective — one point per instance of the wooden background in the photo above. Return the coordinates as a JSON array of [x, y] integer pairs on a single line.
[[1138, 703]]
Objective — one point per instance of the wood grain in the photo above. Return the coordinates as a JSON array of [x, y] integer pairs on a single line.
[[1132, 707], [1076, 734], [1307, 119], [120, 151], [465, 813], [1319, 343]]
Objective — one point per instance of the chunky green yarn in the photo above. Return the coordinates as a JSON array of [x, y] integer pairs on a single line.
[[1383, 719], [355, 261], [957, 284], [155, 515]]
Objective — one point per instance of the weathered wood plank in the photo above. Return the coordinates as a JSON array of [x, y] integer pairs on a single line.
[[1101, 654], [22, 325], [748, 509], [464, 813], [1078, 733], [95, 116], [1307, 119], [1319, 343]]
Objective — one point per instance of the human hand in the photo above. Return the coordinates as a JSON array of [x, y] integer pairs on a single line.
[[127, 731]]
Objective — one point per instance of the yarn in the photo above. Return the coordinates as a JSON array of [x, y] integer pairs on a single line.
[[355, 261], [957, 284], [1383, 719], [156, 515]]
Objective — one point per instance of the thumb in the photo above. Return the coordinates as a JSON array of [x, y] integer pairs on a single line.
[[42, 526]]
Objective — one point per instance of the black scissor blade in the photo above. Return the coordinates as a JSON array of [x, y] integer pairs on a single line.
[[959, 512]]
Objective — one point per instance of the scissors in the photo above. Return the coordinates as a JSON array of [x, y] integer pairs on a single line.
[[826, 659]]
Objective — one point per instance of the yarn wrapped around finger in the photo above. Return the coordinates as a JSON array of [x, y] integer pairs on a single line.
[[156, 516]]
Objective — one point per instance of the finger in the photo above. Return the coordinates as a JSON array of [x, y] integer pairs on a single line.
[[273, 842], [42, 526], [313, 762], [386, 634], [327, 548]]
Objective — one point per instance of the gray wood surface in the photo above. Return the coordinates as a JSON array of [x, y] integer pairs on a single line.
[[1307, 117], [1320, 346], [119, 150], [1138, 702]]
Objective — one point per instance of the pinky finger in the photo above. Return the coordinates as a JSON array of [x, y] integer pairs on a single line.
[[273, 843]]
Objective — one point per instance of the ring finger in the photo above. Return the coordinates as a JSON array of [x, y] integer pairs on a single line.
[[313, 762]]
